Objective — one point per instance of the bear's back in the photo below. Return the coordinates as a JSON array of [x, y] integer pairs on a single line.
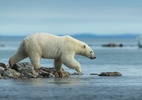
[[41, 36]]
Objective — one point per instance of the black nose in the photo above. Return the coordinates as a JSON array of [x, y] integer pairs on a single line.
[[93, 57]]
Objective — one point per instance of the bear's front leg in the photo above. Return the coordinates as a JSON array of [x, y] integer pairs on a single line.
[[73, 64], [78, 68]]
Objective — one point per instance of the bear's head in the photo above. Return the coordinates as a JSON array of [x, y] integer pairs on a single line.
[[88, 52]]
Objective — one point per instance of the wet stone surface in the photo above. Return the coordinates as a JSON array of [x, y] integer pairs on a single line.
[[26, 70], [110, 74]]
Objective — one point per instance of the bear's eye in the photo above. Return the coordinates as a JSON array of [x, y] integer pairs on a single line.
[[91, 51], [84, 46]]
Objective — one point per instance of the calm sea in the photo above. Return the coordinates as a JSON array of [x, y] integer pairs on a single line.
[[126, 59]]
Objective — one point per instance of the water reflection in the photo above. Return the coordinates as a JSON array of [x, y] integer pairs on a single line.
[[71, 81]]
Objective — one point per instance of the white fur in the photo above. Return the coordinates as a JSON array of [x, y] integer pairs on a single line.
[[60, 48]]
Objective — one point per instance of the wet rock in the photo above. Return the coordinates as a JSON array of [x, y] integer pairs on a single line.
[[3, 65], [112, 45], [2, 70], [8, 74], [94, 74], [25, 68], [2, 45], [110, 74], [11, 73], [51, 72], [29, 75], [75, 73], [45, 74], [15, 73], [1, 76], [63, 74]]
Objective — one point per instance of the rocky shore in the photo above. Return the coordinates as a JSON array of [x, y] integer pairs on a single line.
[[25, 70]]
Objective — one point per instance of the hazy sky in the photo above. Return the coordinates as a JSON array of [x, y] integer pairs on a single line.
[[24, 17]]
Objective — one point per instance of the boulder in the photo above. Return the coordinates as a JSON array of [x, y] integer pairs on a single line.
[[2, 45], [3, 65], [110, 74], [2, 70], [8, 74], [112, 45], [1, 76], [61, 74], [11, 73], [75, 73], [51, 72], [25, 68], [94, 74]]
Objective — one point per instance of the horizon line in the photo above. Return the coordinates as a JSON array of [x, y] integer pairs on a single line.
[[84, 35]]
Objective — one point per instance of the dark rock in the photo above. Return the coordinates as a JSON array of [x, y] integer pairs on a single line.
[[2, 45], [3, 65], [11, 73], [112, 45], [1, 76], [2, 70], [63, 74], [110, 74], [121, 45], [25, 68], [51, 72], [8, 74], [75, 73], [94, 74], [45, 74]]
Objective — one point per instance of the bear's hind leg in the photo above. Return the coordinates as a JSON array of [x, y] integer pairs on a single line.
[[16, 58], [58, 64]]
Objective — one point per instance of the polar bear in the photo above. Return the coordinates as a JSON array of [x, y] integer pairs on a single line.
[[60, 48]]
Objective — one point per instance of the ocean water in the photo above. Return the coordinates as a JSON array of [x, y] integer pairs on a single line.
[[127, 60]]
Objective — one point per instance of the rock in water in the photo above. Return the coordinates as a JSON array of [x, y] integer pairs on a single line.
[[3, 65], [94, 74], [11, 73], [25, 69], [8, 74], [2, 70], [110, 74]]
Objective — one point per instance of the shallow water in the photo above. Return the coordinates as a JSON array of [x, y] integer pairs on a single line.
[[75, 88], [126, 60]]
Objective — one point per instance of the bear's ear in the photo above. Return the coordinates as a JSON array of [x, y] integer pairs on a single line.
[[84, 46]]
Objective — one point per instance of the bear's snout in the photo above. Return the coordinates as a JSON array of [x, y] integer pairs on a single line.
[[92, 57]]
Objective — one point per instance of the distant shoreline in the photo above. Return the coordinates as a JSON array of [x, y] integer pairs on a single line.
[[85, 35]]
